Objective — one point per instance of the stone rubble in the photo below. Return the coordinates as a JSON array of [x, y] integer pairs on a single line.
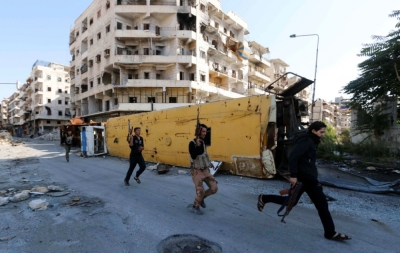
[[52, 136], [20, 196], [6, 138], [55, 188], [40, 204], [4, 201]]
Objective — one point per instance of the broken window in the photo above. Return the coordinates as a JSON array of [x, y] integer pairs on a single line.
[[91, 84], [202, 7], [216, 25], [59, 102], [91, 41], [119, 26], [98, 58], [191, 76], [106, 53], [146, 75], [60, 113], [128, 27], [146, 26], [58, 79], [91, 21], [48, 100], [48, 88], [181, 75], [48, 110], [158, 30], [151, 99], [146, 51], [48, 121], [59, 90], [99, 35], [172, 99], [58, 122], [203, 78], [108, 29], [132, 100], [98, 80]]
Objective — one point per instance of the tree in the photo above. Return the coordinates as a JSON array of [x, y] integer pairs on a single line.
[[379, 80]]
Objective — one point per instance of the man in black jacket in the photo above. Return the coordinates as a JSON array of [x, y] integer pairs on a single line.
[[302, 168], [136, 144]]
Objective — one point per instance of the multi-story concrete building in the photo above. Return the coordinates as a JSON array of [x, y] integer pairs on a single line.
[[46, 97], [335, 113], [42, 103], [4, 112], [133, 56]]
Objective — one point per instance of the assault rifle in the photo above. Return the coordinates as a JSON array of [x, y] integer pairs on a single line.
[[290, 199], [197, 132], [129, 131]]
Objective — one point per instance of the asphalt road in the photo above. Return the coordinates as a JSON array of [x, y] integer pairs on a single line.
[[137, 218]]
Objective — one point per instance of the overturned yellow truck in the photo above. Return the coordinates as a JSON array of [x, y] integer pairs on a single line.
[[252, 136]]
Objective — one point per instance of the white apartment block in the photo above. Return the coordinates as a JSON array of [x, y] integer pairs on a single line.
[[140, 55], [42, 103], [4, 112], [335, 113]]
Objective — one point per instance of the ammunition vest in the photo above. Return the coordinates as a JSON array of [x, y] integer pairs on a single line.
[[202, 161]]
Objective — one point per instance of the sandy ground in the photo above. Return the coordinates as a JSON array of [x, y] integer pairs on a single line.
[[100, 214]]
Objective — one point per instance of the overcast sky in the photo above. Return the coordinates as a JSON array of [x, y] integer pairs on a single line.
[[34, 30]]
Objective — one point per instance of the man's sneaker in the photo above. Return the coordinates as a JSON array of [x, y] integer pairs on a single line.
[[203, 204], [196, 210], [67, 159], [126, 183]]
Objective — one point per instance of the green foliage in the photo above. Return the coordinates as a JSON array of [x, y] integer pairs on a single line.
[[379, 79], [344, 137]]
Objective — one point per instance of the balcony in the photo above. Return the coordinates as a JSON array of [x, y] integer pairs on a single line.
[[50, 117], [221, 90], [157, 83], [142, 8], [259, 60], [153, 32], [155, 59], [255, 91], [186, 34], [258, 76], [145, 106]]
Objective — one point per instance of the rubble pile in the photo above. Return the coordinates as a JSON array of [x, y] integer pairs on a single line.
[[5, 138], [53, 136]]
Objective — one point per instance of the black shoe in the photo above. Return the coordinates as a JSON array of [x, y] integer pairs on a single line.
[[203, 204], [67, 159], [196, 210], [126, 183]]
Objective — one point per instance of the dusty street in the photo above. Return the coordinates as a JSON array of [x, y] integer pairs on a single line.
[[100, 214]]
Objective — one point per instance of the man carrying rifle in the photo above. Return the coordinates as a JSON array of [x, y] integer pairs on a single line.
[[136, 144], [200, 164], [302, 169]]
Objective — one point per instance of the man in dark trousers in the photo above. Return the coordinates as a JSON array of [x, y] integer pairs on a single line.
[[200, 164], [302, 168], [136, 144], [67, 142]]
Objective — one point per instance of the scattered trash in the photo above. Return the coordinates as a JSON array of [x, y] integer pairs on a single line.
[[3, 239], [371, 168], [162, 169], [182, 172], [55, 188], [153, 167], [57, 194]]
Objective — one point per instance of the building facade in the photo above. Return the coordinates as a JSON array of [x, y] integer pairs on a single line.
[[134, 56], [42, 103]]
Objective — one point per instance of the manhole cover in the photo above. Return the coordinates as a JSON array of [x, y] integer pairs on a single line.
[[187, 244]]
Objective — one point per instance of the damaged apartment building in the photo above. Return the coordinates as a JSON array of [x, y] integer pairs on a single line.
[[133, 56], [42, 103]]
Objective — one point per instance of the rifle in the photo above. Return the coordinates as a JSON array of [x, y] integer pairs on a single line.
[[197, 132], [129, 131], [290, 200]]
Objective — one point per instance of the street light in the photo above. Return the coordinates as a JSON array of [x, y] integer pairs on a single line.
[[315, 74]]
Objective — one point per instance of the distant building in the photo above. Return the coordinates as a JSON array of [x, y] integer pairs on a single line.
[[42, 103]]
